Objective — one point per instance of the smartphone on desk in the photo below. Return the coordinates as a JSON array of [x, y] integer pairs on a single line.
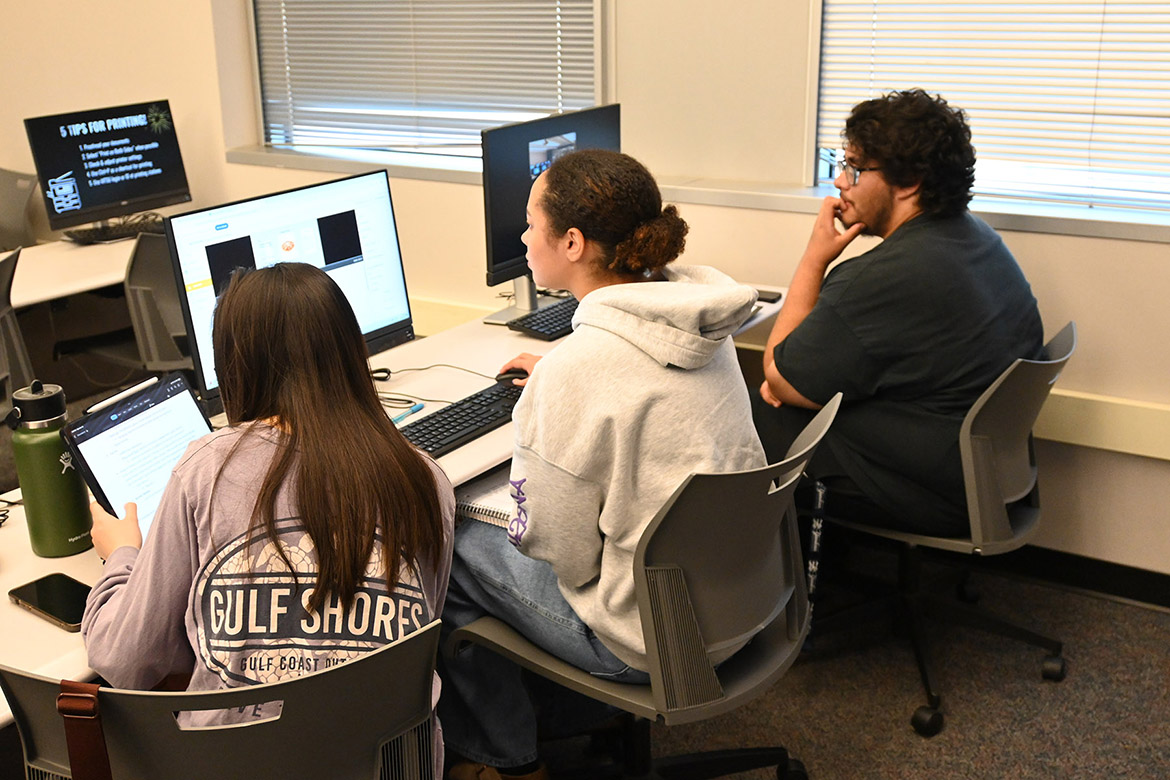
[[56, 597]]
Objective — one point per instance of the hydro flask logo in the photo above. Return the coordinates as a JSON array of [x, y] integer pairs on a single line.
[[66, 461]]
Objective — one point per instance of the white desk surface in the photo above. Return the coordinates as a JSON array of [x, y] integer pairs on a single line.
[[28, 641], [473, 345], [33, 643], [60, 268]]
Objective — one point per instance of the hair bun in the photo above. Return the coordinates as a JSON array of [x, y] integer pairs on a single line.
[[653, 245]]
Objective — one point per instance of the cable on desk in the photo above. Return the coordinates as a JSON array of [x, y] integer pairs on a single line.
[[510, 296], [4, 506], [554, 293], [445, 365], [404, 400], [144, 218], [391, 401]]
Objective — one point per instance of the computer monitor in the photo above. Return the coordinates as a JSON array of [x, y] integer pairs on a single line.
[[513, 156], [344, 226], [107, 162]]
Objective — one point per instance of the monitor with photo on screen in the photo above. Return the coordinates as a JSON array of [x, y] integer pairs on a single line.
[[513, 156], [345, 227], [107, 163]]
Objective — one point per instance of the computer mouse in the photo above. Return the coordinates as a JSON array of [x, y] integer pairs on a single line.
[[509, 375]]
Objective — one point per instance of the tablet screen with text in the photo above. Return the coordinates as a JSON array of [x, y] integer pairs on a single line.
[[126, 449]]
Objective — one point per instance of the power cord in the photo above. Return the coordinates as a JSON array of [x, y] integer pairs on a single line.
[[445, 365], [546, 291], [554, 293], [405, 400]]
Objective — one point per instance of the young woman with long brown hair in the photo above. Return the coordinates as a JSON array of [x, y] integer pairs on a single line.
[[306, 532]]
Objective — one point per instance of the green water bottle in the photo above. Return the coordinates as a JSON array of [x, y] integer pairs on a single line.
[[56, 504]]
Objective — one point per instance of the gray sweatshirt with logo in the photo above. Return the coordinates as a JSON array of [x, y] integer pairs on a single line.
[[188, 603]]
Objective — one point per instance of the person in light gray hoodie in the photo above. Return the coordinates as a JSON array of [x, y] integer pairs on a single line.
[[644, 392]]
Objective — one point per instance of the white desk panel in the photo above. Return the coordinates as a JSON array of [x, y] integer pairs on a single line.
[[60, 268]]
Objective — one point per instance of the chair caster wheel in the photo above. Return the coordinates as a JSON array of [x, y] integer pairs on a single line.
[[1053, 668], [927, 721], [792, 770]]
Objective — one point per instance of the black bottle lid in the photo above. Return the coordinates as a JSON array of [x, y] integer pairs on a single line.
[[36, 403]]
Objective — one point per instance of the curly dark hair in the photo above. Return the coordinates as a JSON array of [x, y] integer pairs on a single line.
[[615, 203], [917, 138]]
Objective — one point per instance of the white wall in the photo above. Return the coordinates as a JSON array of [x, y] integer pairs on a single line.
[[707, 89], [715, 90]]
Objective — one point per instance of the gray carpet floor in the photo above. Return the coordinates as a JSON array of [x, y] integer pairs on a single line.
[[845, 710]]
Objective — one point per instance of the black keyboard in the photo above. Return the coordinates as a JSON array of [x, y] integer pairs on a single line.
[[469, 418], [115, 231], [548, 324]]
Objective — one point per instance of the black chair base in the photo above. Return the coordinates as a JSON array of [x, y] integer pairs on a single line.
[[910, 606]]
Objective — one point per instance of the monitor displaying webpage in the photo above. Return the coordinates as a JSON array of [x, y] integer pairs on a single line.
[[345, 227]]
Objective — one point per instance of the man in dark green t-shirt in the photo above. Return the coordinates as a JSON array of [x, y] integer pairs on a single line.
[[912, 332]]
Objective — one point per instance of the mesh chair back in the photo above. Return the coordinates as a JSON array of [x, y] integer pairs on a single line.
[[999, 469], [344, 722]]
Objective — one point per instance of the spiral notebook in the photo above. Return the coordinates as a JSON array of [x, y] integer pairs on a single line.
[[487, 498]]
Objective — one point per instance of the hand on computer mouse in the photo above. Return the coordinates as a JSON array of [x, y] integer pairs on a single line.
[[516, 376], [518, 369]]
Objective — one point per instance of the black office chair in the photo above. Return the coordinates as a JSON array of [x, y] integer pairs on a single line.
[[700, 600], [1003, 503]]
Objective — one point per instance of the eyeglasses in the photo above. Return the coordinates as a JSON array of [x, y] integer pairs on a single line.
[[852, 172]]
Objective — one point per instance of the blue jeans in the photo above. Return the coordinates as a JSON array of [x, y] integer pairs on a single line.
[[486, 709]]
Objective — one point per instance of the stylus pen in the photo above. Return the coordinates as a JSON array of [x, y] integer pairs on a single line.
[[113, 399], [416, 408]]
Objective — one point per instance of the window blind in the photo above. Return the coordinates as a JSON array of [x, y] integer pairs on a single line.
[[418, 75], [1068, 101]]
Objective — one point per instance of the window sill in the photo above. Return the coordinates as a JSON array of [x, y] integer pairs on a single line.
[[1001, 214], [402, 165], [1009, 215]]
